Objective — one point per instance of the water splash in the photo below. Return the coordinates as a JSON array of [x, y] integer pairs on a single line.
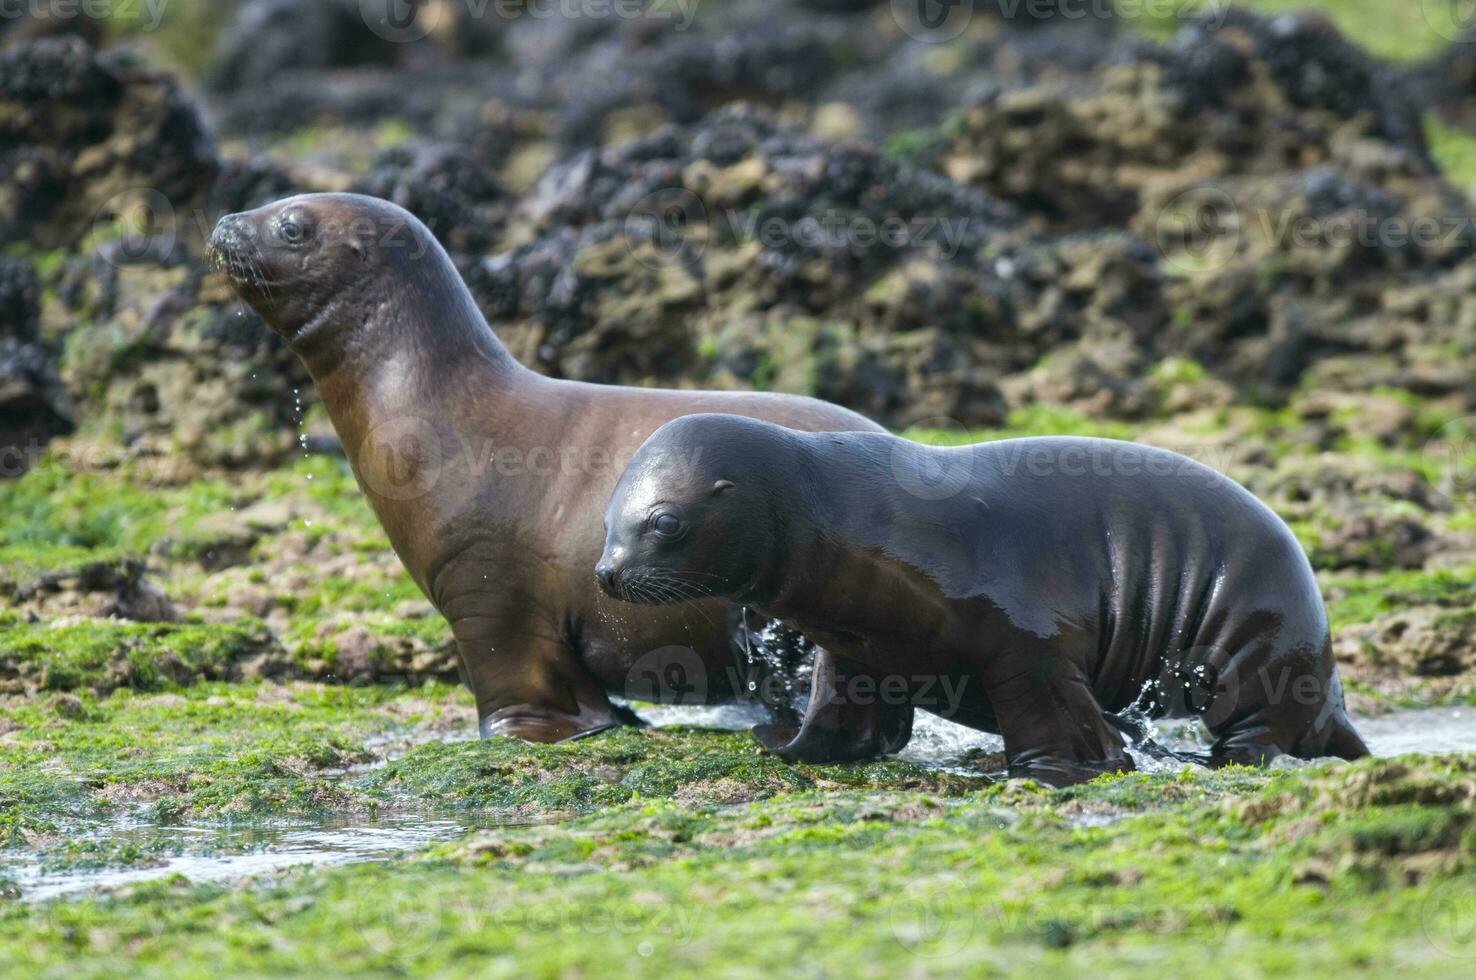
[[775, 664], [1167, 747], [938, 743]]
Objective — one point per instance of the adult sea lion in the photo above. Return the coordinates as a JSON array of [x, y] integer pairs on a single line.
[[488, 478], [1051, 580]]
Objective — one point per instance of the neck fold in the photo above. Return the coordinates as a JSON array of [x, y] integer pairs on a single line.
[[403, 343], [419, 313]]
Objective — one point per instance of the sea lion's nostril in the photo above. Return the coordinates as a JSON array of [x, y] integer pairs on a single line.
[[227, 232], [607, 576]]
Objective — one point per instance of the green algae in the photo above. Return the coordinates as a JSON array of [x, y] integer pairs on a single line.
[[61, 521], [131, 509], [1236, 867], [104, 654], [1409, 34], [623, 765], [692, 849], [1030, 420], [213, 750], [1454, 150], [263, 750], [53, 506], [1362, 599]]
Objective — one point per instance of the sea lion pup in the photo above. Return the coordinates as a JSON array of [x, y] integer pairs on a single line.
[[1047, 581], [488, 478]]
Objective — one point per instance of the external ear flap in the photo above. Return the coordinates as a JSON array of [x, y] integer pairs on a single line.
[[720, 486]]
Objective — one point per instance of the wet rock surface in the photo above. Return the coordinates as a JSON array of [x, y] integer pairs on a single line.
[[102, 589]]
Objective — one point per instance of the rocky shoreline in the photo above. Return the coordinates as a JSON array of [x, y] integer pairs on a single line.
[[1235, 239]]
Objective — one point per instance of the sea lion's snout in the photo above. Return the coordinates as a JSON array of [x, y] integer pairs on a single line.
[[609, 577], [234, 251], [621, 576], [230, 235]]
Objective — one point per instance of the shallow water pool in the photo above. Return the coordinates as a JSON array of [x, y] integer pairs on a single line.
[[219, 853]]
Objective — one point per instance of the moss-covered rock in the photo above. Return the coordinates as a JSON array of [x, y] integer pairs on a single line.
[[88, 136], [104, 654]]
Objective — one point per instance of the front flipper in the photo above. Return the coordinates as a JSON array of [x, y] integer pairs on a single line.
[[1053, 727], [534, 723], [533, 687], [838, 728], [1059, 770]]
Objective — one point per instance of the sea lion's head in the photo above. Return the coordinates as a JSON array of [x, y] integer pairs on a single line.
[[691, 517], [306, 262]]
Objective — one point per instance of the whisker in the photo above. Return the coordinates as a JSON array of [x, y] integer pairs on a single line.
[[669, 588]]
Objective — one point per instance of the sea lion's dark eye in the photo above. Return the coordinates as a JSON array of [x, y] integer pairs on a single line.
[[666, 525], [294, 230]]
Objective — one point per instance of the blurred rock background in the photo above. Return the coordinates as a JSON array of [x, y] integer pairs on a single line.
[[1242, 232]]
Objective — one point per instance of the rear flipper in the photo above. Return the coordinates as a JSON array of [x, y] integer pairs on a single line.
[[1255, 719], [1336, 737], [1255, 746]]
